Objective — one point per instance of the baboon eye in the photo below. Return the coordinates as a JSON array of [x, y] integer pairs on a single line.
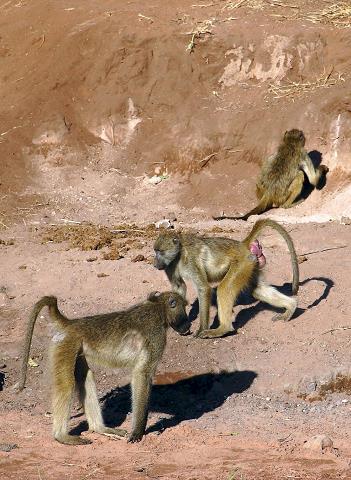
[[172, 303], [176, 241]]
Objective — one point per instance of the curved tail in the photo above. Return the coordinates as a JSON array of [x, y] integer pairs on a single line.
[[258, 227], [56, 315], [262, 207]]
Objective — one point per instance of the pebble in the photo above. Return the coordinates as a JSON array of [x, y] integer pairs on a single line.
[[7, 447], [319, 443]]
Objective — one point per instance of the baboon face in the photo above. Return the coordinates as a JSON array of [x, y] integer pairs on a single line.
[[295, 136], [177, 316], [167, 248]]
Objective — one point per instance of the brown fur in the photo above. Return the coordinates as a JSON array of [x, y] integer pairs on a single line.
[[134, 338], [226, 262], [282, 176]]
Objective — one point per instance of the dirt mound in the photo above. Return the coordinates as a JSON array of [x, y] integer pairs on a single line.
[[203, 90]]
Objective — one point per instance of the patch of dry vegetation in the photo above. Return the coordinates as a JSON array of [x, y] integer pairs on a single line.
[[338, 15], [95, 237], [292, 90]]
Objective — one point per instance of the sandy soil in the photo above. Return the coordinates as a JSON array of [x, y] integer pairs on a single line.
[[97, 98]]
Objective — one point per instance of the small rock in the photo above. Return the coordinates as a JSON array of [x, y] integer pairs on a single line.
[[92, 259], [345, 221], [319, 443], [301, 258], [138, 258], [101, 275], [154, 180], [22, 267], [288, 388], [165, 223], [4, 299], [7, 447]]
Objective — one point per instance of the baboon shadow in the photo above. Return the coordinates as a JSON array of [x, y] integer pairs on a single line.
[[186, 399], [2, 381], [307, 188], [246, 314]]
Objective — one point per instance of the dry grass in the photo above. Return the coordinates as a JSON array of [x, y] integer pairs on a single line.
[[292, 89], [257, 4], [95, 237], [338, 15], [201, 29]]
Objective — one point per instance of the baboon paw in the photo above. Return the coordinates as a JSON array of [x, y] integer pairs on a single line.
[[198, 333], [212, 333], [135, 437], [73, 440]]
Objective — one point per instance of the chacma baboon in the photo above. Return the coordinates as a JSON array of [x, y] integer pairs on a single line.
[[282, 176], [134, 338], [233, 265]]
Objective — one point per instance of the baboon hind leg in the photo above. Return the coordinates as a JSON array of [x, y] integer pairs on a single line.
[[63, 358], [89, 399], [294, 191], [235, 281], [267, 293]]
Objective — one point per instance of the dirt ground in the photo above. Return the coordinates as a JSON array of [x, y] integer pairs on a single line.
[[116, 115]]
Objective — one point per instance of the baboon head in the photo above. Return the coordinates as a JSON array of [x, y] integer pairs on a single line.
[[175, 309], [167, 248], [295, 136]]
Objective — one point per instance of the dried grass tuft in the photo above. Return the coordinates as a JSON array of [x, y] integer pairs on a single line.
[[201, 29], [338, 15], [292, 89]]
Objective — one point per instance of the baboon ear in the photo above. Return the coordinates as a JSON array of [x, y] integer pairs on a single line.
[[153, 296], [172, 302]]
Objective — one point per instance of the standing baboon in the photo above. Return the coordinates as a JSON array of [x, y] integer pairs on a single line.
[[233, 265], [134, 338], [282, 176]]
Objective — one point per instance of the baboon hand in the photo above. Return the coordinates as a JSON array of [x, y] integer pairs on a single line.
[[135, 437], [323, 168]]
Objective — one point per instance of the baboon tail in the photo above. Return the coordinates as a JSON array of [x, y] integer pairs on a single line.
[[262, 207], [260, 225], [62, 321]]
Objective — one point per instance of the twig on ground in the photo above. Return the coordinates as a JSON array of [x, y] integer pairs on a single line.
[[127, 230], [203, 5], [324, 250], [143, 17], [204, 161], [70, 221], [344, 327]]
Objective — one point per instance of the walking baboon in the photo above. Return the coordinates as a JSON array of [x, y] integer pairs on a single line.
[[282, 176], [231, 264], [134, 338]]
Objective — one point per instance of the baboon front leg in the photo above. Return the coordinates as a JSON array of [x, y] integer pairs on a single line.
[[294, 190], [267, 293], [141, 389], [227, 292], [204, 296], [89, 399], [63, 358]]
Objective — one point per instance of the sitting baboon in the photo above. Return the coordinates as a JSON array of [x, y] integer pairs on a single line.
[[134, 338], [282, 176], [233, 265]]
